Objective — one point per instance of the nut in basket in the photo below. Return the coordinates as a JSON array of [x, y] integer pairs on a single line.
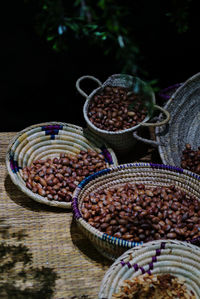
[[125, 206], [44, 160]]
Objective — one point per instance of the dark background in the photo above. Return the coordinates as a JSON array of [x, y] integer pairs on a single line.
[[38, 84]]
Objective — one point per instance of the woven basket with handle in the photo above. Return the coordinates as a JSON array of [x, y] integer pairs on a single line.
[[157, 257], [48, 140], [148, 174], [121, 141]]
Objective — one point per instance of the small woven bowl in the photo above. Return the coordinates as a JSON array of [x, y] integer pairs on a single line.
[[178, 258], [48, 140], [148, 174]]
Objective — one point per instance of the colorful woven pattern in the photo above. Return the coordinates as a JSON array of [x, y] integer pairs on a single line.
[[157, 257], [146, 173], [48, 140]]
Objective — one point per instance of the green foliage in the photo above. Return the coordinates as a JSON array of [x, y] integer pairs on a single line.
[[179, 15], [101, 23], [144, 92], [115, 27]]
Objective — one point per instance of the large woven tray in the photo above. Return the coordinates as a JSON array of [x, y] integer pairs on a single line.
[[149, 174], [184, 124]]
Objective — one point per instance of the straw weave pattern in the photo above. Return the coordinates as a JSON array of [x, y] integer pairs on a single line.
[[146, 173], [184, 125], [121, 141], [157, 257], [48, 140]]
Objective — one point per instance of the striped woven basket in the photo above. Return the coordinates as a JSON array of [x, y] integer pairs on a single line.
[[147, 173], [178, 258], [48, 140], [121, 141]]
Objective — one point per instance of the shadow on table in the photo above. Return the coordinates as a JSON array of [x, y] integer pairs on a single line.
[[22, 200], [86, 246], [19, 277]]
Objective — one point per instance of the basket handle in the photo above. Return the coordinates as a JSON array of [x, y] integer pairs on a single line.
[[145, 140], [83, 78], [161, 123], [149, 141]]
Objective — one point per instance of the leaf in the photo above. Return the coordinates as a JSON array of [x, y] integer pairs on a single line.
[[61, 29], [73, 26], [121, 41], [103, 35], [55, 47], [101, 4], [44, 7], [77, 3], [49, 38], [92, 26]]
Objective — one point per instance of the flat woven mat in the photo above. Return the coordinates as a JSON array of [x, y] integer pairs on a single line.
[[42, 252]]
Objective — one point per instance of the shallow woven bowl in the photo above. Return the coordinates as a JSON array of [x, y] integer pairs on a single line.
[[178, 258], [146, 173], [184, 124], [48, 140]]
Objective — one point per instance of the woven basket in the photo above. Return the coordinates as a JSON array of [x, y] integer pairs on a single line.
[[121, 141], [157, 257], [184, 124], [48, 140], [147, 173]]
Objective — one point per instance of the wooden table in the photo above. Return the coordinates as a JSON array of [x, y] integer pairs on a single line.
[[42, 252]]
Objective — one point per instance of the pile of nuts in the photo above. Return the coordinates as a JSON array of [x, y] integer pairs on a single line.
[[116, 108], [163, 286], [137, 213], [191, 159], [57, 179]]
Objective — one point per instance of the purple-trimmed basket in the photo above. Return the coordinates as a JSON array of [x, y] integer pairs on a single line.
[[48, 140], [146, 173], [178, 258]]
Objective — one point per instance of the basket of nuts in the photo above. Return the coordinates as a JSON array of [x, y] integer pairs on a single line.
[[48, 160], [118, 107], [179, 142], [125, 206], [156, 270]]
